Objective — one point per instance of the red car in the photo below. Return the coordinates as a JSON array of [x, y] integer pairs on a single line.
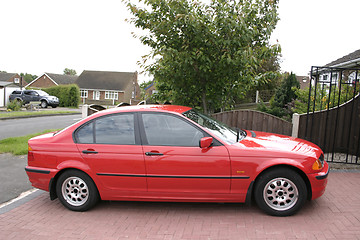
[[174, 153]]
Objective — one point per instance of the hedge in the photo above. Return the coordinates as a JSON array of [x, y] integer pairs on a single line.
[[69, 95]]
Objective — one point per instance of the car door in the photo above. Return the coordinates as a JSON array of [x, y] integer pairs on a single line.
[[175, 162], [111, 147]]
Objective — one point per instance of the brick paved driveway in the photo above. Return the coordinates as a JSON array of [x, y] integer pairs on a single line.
[[336, 215]]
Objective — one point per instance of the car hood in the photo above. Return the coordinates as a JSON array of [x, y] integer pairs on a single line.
[[269, 144]]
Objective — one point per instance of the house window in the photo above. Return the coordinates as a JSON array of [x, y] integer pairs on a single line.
[[83, 93], [111, 95], [16, 80]]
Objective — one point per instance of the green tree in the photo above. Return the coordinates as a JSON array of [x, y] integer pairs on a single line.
[[280, 104], [68, 71], [206, 55], [27, 77]]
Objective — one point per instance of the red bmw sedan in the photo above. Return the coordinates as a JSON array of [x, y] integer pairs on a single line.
[[174, 153]]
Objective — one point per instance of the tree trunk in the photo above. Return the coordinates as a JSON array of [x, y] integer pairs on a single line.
[[204, 102]]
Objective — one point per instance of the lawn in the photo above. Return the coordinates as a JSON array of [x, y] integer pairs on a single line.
[[19, 145]]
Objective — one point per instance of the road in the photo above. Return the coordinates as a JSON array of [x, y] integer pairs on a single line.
[[24, 126], [13, 179]]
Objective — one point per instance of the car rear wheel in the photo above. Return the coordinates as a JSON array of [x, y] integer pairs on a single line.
[[43, 104], [280, 192], [76, 190]]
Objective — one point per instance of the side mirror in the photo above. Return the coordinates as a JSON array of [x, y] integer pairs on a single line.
[[206, 142]]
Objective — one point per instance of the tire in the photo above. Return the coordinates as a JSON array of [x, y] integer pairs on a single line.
[[76, 191], [53, 106], [280, 192], [44, 104]]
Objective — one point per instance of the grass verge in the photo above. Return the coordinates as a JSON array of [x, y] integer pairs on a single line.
[[23, 114], [19, 145]]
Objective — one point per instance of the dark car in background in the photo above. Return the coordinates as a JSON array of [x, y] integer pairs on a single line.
[[27, 96]]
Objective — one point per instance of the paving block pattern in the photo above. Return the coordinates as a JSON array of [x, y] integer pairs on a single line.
[[336, 215]]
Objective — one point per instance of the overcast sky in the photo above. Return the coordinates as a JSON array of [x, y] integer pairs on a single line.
[[48, 36]]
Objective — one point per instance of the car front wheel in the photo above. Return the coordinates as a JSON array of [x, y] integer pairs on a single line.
[[76, 190], [44, 104], [280, 192]]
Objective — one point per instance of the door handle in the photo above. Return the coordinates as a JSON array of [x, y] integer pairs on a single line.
[[153, 154], [89, 152]]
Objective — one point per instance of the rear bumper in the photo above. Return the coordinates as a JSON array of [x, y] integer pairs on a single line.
[[319, 181], [40, 177]]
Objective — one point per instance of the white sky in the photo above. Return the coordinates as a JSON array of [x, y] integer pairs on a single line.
[[48, 36]]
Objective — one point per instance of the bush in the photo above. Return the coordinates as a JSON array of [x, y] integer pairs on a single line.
[[69, 95], [14, 105]]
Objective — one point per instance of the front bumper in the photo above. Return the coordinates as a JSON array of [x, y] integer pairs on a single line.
[[319, 181], [53, 103]]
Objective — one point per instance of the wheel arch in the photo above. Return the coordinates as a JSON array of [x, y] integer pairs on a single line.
[[44, 99], [270, 168], [53, 181]]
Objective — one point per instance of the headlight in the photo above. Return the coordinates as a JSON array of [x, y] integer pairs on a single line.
[[319, 163]]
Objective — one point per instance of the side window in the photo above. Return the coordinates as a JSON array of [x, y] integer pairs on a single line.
[[113, 129], [85, 133], [168, 130]]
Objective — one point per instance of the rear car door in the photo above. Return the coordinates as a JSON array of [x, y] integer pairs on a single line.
[[175, 162], [111, 147]]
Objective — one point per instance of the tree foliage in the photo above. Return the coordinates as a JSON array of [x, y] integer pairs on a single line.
[[207, 55], [68, 71], [323, 98], [281, 103], [27, 77]]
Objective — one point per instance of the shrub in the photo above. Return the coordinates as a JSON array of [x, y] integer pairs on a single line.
[[14, 106], [69, 95]]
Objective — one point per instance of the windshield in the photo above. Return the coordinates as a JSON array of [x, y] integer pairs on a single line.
[[219, 129], [42, 93]]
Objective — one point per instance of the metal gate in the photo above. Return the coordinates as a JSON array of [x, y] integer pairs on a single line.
[[333, 113]]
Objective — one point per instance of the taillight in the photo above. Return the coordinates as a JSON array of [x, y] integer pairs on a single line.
[[30, 154]]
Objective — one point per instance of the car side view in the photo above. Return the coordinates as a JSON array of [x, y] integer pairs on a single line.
[[27, 96], [174, 153]]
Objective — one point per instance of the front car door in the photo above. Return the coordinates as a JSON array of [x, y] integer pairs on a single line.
[[175, 162], [111, 147]]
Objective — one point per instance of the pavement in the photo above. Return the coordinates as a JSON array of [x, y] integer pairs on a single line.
[[335, 215]]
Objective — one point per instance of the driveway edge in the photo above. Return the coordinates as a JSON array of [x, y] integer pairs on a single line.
[[44, 115]]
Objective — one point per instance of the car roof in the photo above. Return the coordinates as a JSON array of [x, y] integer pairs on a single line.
[[147, 108]]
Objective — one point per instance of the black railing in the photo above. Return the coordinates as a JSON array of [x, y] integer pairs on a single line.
[[333, 113]]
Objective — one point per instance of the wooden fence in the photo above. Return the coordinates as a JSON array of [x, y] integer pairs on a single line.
[[255, 120]]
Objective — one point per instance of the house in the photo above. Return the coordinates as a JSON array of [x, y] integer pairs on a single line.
[[6, 88], [8, 83], [11, 77], [50, 79], [351, 60], [108, 87], [304, 81], [150, 90], [345, 68]]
